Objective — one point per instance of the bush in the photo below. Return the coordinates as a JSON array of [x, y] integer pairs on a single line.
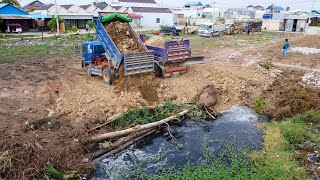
[[74, 29], [91, 24], [258, 104], [53, 23], [293, 132]]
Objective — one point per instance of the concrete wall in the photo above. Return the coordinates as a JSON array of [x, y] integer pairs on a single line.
[[270, 25], [313, 30], [150, 19]]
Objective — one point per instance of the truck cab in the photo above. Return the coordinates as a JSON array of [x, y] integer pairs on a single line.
[[210, 30], [90, 51]]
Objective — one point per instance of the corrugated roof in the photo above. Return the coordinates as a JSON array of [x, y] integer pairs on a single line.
[[139, 1], [151, 10], [44, 7], [116, 7], [3, 5], [193, 4], [8, 16], [67, 6], [277, 8]]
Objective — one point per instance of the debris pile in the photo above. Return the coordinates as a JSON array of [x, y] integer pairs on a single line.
[[208, 96], [157, 41], [312, 79], [304, 50], [122, 37]]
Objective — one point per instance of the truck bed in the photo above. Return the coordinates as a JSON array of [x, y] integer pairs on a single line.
[[134, 63]]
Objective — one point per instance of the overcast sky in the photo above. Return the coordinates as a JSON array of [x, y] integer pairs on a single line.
[[305, 5]]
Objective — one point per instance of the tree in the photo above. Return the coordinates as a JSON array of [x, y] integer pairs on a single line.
[[53, 23], [91, 24], [12, 2]]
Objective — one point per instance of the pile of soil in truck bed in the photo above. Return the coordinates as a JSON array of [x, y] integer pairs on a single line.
[[123, 37], [157, 41]]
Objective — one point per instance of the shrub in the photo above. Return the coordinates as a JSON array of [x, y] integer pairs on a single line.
[[53, 23], [91, 24], [74, 29], [258, 104]]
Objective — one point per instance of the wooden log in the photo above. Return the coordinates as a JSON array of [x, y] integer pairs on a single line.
[[119, 143], [113, 118], [123, 146], [136, 128]]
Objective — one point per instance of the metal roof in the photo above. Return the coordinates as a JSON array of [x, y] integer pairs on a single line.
[[139, 1], [277, 8], [44, 7], [150, 10], [193, 4], [13, 16], [85, 6], [2, 5]]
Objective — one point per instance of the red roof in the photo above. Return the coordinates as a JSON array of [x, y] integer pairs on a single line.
[[134, 15]]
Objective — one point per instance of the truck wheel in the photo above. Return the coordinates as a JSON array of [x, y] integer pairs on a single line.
[[211, 34], [157, 70], [221, 34], [89, 71], [107, 76]]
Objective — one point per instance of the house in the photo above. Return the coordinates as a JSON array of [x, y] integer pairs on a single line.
[[193, 4], [239, 13], [275, 13], [153, 17], [295, 23], [259, 8], [209, 13], [33, 5], [11, 14], [135, 3], [89, 7]]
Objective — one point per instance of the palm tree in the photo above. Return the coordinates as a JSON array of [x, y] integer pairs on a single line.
[[12, 2]]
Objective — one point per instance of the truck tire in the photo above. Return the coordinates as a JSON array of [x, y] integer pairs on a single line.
[[221, 34], [107, 76], [157, 70], [89, 71]]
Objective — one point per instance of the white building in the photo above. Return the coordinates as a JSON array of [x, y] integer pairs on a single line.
[[153, 17], [135, 3]]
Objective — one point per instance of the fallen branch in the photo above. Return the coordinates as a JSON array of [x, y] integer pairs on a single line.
[[209, 113], [119, 143], [136, 128], [113, 118], [123, 146]]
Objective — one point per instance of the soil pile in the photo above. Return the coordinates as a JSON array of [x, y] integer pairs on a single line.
[[208, 96], [288, 98], [123, 37], [157, 41]]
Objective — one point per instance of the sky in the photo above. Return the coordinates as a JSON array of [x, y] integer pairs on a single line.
[[304, 5]]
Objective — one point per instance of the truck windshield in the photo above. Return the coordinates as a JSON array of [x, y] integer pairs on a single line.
[[205, 27], [99, 49]]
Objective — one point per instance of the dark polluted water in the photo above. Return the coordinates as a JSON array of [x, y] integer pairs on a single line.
[[235, 127]]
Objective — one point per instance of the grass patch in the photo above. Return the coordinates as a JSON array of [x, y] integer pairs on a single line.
[[8, 36], [10, 54], [52, 174], [258, 104], [138, 116]]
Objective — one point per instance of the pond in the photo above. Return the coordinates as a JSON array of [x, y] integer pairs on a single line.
[[235, 127]]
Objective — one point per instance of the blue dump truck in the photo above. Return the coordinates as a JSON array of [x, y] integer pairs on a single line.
[[108, 57], [171, 57]]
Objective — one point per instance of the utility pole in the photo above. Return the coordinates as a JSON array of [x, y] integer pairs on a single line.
[[57, 20], [214, 11], [312, 5]]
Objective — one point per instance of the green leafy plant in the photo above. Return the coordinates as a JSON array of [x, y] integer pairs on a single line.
[[53, 174], [258, 104], [74, 29], [91, 24], [53, 23]]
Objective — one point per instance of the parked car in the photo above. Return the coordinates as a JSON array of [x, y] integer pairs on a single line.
[[169, 30], [14, 28]]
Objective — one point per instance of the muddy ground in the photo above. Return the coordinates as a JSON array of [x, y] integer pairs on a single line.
[[48, 103]]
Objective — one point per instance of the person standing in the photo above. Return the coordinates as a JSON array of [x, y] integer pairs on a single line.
[[87, 27], [285, 48]]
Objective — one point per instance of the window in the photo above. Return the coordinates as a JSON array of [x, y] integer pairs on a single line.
[[84, 48], [99, 49], [158, 20]]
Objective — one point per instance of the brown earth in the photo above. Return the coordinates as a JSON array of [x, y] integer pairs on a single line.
[[47, 104]]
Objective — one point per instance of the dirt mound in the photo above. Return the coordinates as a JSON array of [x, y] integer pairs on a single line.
[[146, 85], [208, 96], [122, 37], [288, 98], [157, 41]]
